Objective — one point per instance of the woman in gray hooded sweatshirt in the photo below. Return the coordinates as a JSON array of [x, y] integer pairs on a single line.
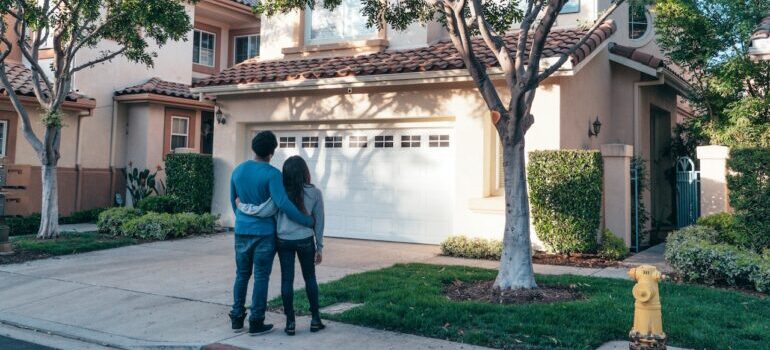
[[296, 240]]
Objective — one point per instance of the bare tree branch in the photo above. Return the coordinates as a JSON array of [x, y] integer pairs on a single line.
[[102, 59], [521, 52], [565, 56], [539, 38]]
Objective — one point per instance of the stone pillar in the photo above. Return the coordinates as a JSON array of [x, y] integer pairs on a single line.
[[714, 197], [617, 189]]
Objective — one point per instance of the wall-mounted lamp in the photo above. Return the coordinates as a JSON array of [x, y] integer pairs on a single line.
[[221, 119], [595, 128]]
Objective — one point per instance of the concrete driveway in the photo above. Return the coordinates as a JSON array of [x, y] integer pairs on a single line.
[[177, 293]]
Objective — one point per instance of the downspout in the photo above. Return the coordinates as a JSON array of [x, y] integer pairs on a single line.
[[78, 168], [638, 108], [112, 148]]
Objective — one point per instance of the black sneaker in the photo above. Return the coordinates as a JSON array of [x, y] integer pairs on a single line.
[[237, 322], [291, 327], [316, 325], [259, 328]]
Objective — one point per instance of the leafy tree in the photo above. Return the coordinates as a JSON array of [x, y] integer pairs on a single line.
[[523, 74], [710, 41], [74, 25]]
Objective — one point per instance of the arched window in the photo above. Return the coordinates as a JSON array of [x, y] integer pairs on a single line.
[[638, 21]]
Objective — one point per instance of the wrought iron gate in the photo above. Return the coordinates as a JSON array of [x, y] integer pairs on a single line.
[[687, 192]]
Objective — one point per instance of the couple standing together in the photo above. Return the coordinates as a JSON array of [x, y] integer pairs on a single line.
[[274, 212]]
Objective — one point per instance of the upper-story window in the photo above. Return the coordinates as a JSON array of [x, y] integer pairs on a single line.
[[638, 21], [3, 137], [246, 47], [203, 48], [345, 23]]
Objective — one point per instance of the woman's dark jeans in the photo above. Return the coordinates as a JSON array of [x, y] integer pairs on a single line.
[[304, 249]]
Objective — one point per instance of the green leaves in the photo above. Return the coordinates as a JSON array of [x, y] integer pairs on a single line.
[[190, 178]]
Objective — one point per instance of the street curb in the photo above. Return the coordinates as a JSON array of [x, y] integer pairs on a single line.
[[90, 336]]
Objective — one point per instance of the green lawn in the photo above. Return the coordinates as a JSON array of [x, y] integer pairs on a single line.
[[407, 298], [70, 243]]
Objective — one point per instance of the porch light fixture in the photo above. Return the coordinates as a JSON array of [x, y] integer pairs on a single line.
[[595, 128], [221, 119]]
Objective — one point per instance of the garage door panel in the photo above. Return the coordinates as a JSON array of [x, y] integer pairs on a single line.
[[382, 193]]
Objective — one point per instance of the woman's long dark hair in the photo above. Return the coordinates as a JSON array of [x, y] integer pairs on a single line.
[[295, 176]]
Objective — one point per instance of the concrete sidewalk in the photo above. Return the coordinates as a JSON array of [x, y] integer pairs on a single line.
[[177, 294]]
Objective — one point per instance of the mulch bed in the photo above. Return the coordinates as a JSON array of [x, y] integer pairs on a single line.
[[22, 256], [483, 291], [578, 260]]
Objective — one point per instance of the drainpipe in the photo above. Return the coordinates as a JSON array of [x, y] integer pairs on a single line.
[[638, 108], [112, 148]]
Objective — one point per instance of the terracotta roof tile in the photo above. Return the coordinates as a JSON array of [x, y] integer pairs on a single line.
[[160, 87], [763, 30], [637, 56], [20, 78], [437, 57]]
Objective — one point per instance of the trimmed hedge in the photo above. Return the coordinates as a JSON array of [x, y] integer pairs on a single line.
[[472, 248], [159, 204], [694, 252], [566, 198], [162, 226], [724, 225], [750, 195], [29, 225], [83, 217], [190, 177], [111, 220]]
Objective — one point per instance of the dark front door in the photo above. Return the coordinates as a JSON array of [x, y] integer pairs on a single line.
[[662, 175], [207, 132]]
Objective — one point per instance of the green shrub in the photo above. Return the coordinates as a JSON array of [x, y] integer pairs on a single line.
[[612, 247], [724, 225], [83, 217], [695, 255], [163, 226], [159, 204], [473, 248], [111, 220], [190, 177], [566, 197], [750, 195], [23, 225]]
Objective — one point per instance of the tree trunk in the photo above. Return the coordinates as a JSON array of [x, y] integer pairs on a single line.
[[49, 221], [516, 263]]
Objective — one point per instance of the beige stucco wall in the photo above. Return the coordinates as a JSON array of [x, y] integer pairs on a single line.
[[25, 154], [173, 63]]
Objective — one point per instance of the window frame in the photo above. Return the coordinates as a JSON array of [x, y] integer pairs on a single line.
[[310, 142], [411, 141], [186, 134], [235, 46], [214, 49], [358, 141], [648, 30], [308, 29], [384, 141], [440, 141], [335, 141], [287, 142], [4, 144]]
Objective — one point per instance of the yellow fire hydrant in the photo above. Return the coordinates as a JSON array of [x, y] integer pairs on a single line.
[[647, 333]]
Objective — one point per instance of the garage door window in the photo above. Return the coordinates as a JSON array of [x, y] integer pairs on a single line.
[[358, 142], [287, 142], [438, 141], [333, 142], [410, 141], [383, 142], [310, 142]]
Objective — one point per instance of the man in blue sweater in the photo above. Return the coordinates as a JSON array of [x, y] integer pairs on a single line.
[[256, 181]]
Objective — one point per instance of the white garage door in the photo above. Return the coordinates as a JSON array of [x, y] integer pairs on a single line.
[[380, 184]]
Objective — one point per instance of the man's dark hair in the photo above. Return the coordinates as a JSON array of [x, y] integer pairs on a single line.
[[264, 144]]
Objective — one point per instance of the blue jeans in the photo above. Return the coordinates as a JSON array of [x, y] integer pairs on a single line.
[[304, 249], [257, 253]]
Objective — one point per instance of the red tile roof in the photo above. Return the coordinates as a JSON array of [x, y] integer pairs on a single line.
[[763, 30], [437, 57], [20, 78], [160, 87], [637, 56]]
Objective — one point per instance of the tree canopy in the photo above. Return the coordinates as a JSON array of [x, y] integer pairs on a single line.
[[710, 41]]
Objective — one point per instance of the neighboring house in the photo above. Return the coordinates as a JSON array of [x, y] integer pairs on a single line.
[[397, 136], [760, 45], [137, 114], [23, 185]]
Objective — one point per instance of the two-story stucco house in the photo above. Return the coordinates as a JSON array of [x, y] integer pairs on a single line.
[[134, 115], [398, 138]]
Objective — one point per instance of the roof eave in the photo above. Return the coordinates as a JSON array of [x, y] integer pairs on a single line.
[[672, 79]]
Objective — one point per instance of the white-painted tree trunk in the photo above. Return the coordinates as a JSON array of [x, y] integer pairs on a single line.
[[49, 221], [516, 270]]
